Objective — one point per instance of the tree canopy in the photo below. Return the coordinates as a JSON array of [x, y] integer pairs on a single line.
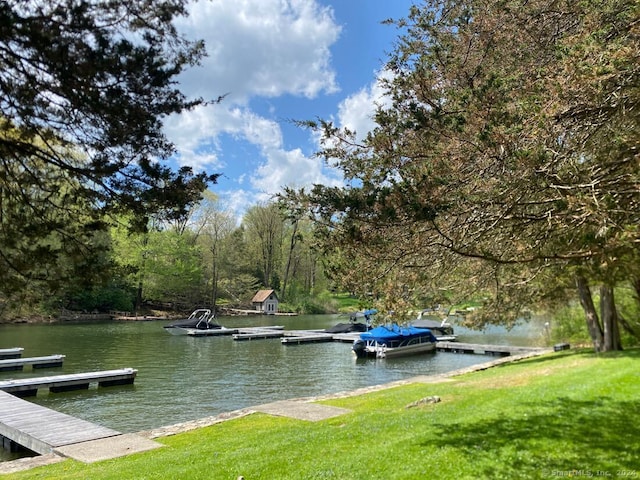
[[507, 163], [84, 89]]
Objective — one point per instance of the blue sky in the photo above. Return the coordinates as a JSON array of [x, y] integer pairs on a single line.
[[278, 60]]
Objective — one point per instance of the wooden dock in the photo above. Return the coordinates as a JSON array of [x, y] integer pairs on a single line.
[[287, 337], [297, 337], [346, 337], [481, 349], [61, 383], [36, 362], [241, 333], [258, 334], [211, 332], [41, 429], [15, 352]]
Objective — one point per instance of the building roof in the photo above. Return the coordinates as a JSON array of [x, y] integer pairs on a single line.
[[262, 295]]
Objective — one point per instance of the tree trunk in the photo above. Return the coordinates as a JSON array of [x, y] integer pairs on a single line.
[[138, 303], [292, 246], [609, 317], [214, 278], [142, 273], [635, 281], [593, 323]]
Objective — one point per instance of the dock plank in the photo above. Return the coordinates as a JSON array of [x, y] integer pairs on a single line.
[[41, 429], [476, 348], [258, 335], [15, 352], [35, 362], [348, 337], [297, 337], [210, 332], [26, 386]]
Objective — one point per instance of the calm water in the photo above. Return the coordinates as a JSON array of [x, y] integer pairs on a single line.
[[183, 378]]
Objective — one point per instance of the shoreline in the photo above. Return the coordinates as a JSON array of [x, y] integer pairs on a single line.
[[119, 316], [28, 463]]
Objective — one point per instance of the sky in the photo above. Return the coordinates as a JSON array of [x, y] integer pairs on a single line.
[[278, 61]]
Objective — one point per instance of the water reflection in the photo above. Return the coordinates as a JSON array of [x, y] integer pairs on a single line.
[[184, 378]]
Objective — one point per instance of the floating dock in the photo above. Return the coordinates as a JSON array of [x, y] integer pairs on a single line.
[[210, 332], [61, 383], [46, 431], [481, 349], [41, 429], [290, 337], [242, 333], [15, 352], [258, 334], [35, 362], [346, 337], [297, 337]]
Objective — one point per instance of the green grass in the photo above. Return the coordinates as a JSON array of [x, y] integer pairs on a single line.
[[560, 415], [346, 303]]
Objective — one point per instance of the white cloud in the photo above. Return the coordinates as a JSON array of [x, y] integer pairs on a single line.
[[237, 202], [261, 131], [195, 133], [290, 169], [256, 48], [261, 47], [356, 111]]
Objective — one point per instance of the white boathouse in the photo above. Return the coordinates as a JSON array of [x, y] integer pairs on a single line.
[[266, 301]]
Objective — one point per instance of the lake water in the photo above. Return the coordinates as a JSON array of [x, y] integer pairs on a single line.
[[183, 378]]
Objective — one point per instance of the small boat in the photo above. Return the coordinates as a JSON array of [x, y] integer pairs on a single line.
[[439, 326], [393, 341], [347, 328], [354, 325], [200, 319]]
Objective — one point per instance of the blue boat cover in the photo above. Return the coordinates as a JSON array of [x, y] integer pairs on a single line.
[[385, 333]]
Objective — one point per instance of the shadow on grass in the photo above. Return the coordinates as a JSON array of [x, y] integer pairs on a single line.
[[562, 438]]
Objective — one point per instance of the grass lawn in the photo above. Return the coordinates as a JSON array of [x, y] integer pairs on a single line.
[[346, 303], [564, 414]]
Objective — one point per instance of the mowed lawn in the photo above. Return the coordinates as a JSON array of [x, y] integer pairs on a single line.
[[566, 414]]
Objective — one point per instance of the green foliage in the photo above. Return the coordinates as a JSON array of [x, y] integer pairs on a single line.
[[628, 307], [504, 161], [568, 326], [264, 225], [303, 302], [568, 323], [173, 266], [344, 302], [81, 135], [164, 265], [239, 289], [101, 298]]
